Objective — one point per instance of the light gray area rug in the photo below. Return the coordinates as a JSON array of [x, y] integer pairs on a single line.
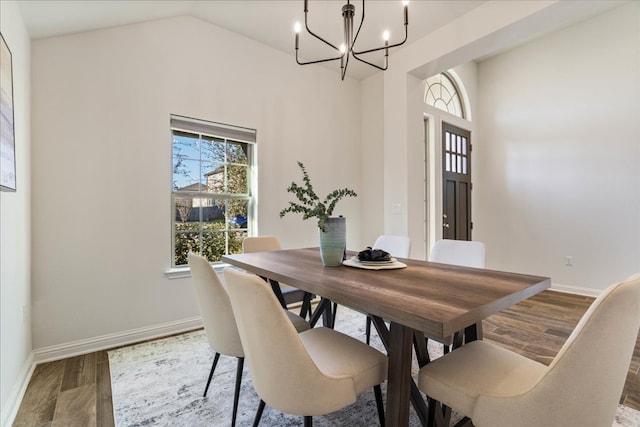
[[160, 383]]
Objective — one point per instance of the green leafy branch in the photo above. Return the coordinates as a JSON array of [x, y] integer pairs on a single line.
[[309, 204]]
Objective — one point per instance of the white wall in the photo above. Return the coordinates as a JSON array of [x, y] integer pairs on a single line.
[[474, 36], [372, 158], [456, 43], [102, 153], [15, 227], [558, 170]]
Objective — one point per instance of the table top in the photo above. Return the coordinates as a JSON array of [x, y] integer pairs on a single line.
[[438, 299]]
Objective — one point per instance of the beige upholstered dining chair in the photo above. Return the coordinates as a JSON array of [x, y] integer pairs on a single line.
[[459, 252], [581, 387], [219, 322], [463, 253], [397, 246], [288, 294], [312, 373]]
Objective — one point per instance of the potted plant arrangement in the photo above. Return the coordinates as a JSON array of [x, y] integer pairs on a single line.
[[331, 230]]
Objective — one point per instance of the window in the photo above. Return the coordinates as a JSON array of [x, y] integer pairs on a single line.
[[441, 92], [212, 193]]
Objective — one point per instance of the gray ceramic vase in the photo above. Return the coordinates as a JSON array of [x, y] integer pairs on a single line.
[[333, 242]]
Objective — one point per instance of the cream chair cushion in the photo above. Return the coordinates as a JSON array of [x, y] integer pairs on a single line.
[[265, 244], [397, 246], [298, 322], [459, 252], [486, 369], [339, 356], [312, 373], [260, 244], [215, 308], [581, 387]]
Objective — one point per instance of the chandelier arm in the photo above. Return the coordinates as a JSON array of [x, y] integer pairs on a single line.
[[344, 67], [316, 61], [406, 33], [306, 25], [372, 64]]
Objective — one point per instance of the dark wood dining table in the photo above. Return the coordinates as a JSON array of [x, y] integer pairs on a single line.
[[431, 298]]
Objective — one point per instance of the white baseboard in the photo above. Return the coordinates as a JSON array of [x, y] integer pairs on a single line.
[[578, 290], [75, 348], [89, 345], [10, 410]]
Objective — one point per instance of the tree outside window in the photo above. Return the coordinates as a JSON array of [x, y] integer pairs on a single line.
[[211, 195]]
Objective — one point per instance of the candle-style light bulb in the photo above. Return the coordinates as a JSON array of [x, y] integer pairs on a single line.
[[343, 48], [385, 37], [296, 28], [405, 3]]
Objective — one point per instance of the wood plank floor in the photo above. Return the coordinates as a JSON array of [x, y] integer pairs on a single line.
[[77, 391]]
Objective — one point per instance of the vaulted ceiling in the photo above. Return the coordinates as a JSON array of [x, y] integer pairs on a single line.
[[266, 21]]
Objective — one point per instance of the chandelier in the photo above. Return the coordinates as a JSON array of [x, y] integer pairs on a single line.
[[346, 49]]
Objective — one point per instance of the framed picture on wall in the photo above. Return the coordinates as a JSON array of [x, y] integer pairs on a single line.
[[7, 129]]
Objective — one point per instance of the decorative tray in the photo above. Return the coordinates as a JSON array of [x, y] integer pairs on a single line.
[[373, 265]]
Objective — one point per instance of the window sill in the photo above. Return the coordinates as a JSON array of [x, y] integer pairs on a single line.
[[184, 272]]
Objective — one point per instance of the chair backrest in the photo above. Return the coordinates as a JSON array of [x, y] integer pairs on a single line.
[[283, 373], [260, 244], [584, 382], [459, 252], [397, 246], [215, 307]]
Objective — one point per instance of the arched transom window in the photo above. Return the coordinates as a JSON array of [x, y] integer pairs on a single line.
[[441, 92]]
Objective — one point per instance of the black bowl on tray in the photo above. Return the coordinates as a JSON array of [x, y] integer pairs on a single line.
[[371, 255]]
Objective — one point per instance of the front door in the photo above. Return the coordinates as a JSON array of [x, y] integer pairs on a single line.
[[456, 179]]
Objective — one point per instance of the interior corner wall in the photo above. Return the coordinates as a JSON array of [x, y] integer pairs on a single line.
[[558, 150], [102, 161], [15, 227], [458, 42], [372, 196]]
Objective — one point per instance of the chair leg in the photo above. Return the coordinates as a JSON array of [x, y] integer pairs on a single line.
[[213, 368], [256, 420], [445, 349], [439, 418], [308, 421], [335, 311], [441, 414], [305, 309], [458, 339], [378, 392], [236, 394], [431, 418], [368, 330]]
